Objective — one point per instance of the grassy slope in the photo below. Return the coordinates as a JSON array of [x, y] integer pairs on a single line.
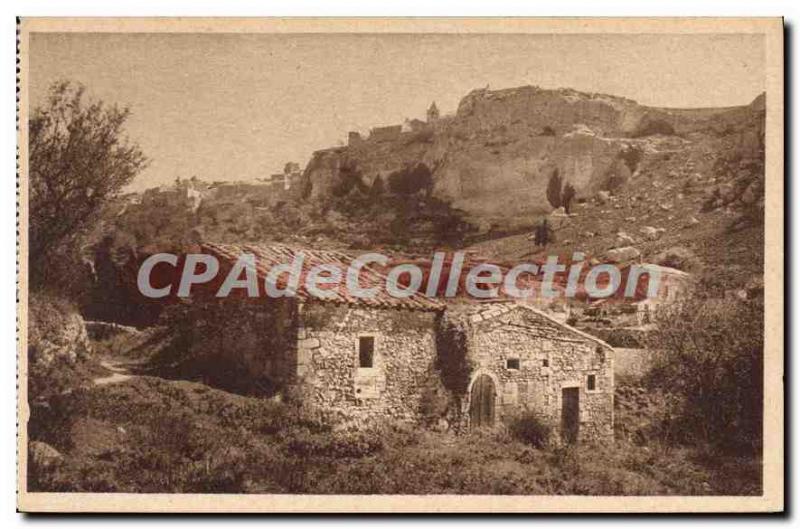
[[149, 434]]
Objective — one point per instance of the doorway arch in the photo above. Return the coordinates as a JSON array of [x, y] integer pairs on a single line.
[[482, 396]]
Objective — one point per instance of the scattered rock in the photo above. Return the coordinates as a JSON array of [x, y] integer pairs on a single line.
[[626, 253], [603, 196], [665, 207], [624, 238], [678, 257], [652, 233], [692, 221], [558, 218]]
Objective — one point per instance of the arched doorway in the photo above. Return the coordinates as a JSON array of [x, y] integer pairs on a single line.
[[481, 402]]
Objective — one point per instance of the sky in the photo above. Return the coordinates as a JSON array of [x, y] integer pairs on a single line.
[[239, 106]]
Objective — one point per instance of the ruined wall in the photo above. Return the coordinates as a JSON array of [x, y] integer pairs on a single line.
[[328, 369], [245, 344], [551, 358], [558, 109]]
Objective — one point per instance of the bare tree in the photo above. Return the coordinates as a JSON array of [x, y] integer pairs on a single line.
[[79, 159]]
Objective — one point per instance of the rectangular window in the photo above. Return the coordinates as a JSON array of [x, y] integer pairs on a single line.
[[366, 351], [591, 382], [545, 363], [512, 363]]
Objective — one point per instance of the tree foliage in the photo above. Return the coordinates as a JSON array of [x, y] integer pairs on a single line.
[[566, 197], [554, 189], [712, 359], [79, 159], [411, 180]]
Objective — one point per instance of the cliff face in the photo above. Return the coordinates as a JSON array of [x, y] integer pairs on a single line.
[[494, 157]]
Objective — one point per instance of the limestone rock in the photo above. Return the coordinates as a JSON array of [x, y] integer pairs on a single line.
[[652, 233], [57, 332], [603, 196], [558, 218], [623, 254], [42, 455], [624, 238]]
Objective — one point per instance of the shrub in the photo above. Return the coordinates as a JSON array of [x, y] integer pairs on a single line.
[[652, 126], [411, 180], [554, 189], [713, 362], [566, 197], [336, 445], [531, 428], [631, 156]]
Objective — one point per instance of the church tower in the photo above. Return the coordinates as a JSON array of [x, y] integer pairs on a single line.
[[433, 113]]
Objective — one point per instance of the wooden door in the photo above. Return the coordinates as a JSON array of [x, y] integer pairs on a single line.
[[481, 402], [570, 414]]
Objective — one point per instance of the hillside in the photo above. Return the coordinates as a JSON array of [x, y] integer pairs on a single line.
[[494, 157], [682, 187]]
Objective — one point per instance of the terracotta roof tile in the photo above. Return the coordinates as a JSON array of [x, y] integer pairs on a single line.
[[268, 256]]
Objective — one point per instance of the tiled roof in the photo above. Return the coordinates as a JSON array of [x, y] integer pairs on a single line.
[[473, 314], [268, 256]]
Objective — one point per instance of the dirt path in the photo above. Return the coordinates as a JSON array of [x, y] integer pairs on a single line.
[[119, 373]]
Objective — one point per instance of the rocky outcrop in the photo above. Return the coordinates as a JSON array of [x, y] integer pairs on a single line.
[[43, 456], [494, 158], [56, 332]]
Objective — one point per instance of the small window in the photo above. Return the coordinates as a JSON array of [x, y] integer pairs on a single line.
[[512, 363], [591, 382], [366, 351], [545, 363]]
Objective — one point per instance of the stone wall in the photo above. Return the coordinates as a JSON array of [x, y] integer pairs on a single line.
[[248, 340], [329, 376], [551, 357]]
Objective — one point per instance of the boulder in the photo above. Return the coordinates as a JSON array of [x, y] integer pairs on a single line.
[[42, 455], [57, 332], [603, 196], [624, 238], [623, 254], [652, 233], [678, 257], [558, 218]]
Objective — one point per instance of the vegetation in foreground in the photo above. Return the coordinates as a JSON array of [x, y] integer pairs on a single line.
[[152, 435]]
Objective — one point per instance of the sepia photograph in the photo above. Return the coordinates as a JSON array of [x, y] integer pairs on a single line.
[[371, 265]]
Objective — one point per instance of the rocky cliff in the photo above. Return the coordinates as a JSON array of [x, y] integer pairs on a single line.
[[494, 157]]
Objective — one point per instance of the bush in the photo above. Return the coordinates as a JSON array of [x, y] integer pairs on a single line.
[[336, 445], [531, 428], [652, 126], [411, 180], [554, 189], [713, 362]]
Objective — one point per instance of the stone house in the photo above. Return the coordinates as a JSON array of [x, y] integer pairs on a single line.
[[394, 358], [523, 359]]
